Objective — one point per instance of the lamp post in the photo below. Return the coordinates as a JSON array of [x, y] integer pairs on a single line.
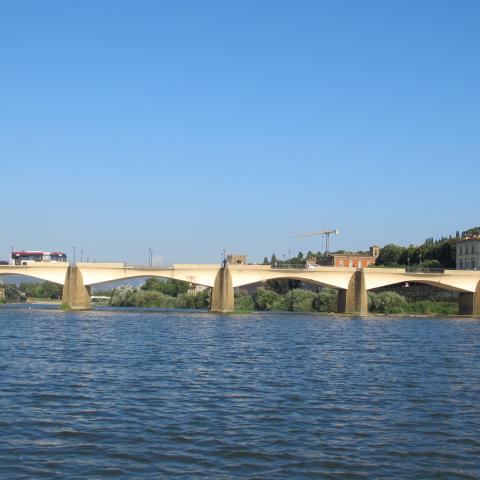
[[74, 254], [81, 256]]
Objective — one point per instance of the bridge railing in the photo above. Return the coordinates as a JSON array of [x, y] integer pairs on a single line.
[[284, 265], [424, 270]]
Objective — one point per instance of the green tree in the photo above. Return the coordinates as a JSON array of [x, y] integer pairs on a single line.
[[282, 285], [45, 289], [431, 264], [390, 255], [267, 299], [171, 287], [326, 300], [299, 300], [387, 302], [244, 303]]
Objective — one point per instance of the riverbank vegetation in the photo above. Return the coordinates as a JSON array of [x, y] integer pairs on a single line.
[[159, 294], [44, 290], [273, 296]]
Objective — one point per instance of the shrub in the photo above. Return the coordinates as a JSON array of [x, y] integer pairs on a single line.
[[267, 299], [299, 300], [387, 302], [326, 300], [244, 303], [125, 296]]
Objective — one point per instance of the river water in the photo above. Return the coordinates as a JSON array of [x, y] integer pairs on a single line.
[[132, 394]]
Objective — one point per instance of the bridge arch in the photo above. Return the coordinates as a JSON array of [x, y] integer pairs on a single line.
[[447, 282], [50, 275], [292, 277], [92, 275], [338, 279], [431, 283]]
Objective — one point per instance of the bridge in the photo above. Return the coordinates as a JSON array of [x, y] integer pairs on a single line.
[[352, 284]]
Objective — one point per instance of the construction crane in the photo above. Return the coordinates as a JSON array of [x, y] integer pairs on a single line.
[[325, 233]]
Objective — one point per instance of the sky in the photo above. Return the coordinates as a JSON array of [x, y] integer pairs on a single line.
[[192, 127]]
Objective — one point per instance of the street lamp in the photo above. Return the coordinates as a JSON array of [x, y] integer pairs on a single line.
[[81, 256], [74, 254]]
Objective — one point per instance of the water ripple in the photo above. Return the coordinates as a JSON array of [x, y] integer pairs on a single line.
[[132, 394]]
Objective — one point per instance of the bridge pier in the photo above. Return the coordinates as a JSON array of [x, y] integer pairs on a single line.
[[355, 298], [75, 295], [469, 302], [222, 299]]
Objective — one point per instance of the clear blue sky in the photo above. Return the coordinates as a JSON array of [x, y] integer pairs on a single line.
[[190, 126]]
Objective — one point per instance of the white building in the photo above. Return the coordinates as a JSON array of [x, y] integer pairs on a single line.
[[193, 288], [468, 253]]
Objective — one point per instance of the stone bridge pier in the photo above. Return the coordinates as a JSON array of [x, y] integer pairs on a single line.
[[469, 302], [222, 297], [76, 296], [354, 299]]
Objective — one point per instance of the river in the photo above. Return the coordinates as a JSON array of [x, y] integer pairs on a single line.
[[135, 394]]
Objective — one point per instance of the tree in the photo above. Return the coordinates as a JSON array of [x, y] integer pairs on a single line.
[[244, 302], [267, 299], [326, 300], [299, 300], [387, 302], [171, 287], [431, 264], [282, 285], [471, 231], [273, 261], [389, 255], [42, 290]]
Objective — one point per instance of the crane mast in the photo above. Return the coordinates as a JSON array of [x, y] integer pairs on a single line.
[[325, 233]]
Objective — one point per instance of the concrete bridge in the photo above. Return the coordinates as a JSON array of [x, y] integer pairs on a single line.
[[351, 283]]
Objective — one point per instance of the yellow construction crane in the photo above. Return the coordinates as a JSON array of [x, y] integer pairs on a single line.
[[325, 233]]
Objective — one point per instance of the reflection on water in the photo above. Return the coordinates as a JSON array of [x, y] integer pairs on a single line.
[[131, 394]]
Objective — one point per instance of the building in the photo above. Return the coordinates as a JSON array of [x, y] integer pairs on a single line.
[[347, 259], [237, 259], [468, 252], [193, 288]]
